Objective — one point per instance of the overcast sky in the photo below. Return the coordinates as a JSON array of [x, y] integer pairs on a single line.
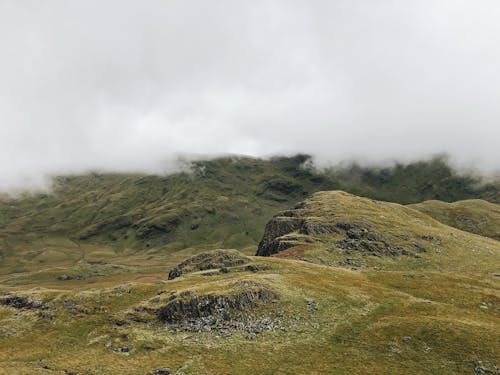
[[127, 85]]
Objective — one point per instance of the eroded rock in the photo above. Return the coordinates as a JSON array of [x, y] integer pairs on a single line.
[[237, 307], [190, 305], [322, 219], [219, 259], [22, 303]]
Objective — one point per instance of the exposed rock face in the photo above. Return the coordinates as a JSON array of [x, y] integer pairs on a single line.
[[210, 260], [192, 306], [236, 307], [292, 227], [277, 227]]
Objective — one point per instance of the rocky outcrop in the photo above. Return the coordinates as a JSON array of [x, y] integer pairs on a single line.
[[192, 306], [291, 228], [276, 228], [22, 303], [218, 259], [340, 220], [235, 307]]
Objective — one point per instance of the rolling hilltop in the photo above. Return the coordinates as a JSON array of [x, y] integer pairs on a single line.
[[242, 265]]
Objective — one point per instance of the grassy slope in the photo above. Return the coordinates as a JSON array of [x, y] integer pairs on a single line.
[[365, 322], [449, 307], [475, 216], [402, 315]]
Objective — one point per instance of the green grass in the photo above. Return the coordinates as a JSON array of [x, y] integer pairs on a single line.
[[437, 313], [361, 325], [475, 216]]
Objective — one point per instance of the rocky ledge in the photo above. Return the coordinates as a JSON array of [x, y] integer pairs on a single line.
[[234, 309], [331, 218], [218, 259]]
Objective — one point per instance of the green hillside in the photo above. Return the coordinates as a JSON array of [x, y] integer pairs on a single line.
[[384, 289], [134, 274], [223, 202], [475, 216]]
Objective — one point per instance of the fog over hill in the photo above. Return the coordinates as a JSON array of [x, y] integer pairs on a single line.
[[127, 86]]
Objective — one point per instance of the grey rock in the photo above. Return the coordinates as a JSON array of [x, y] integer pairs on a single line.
[[161, 371], [218, 259], [122, 349]]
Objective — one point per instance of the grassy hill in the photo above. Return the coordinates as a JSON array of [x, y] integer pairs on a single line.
[[121, 274], [475, 216], [340, 229], [422, 298]]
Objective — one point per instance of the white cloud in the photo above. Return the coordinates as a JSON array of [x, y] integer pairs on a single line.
[[126, 85]]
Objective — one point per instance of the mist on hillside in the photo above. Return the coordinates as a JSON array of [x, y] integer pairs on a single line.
[[120, 86]]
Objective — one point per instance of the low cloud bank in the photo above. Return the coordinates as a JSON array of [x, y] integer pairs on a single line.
[[128, 86]]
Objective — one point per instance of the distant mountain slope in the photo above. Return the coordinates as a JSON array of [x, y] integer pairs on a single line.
[[337, 228], [475, 216], [415, 182], [223, 202], [217, 203]]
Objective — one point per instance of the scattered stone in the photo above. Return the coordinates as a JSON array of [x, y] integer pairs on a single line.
[[312, 305], [161, 371], [407, 338], [71, 305], [350, 262], [481, 368], [252, 268], [122, 349], [250, 336], [22, 303], [69, 277], [78, 277], [433, 239]]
